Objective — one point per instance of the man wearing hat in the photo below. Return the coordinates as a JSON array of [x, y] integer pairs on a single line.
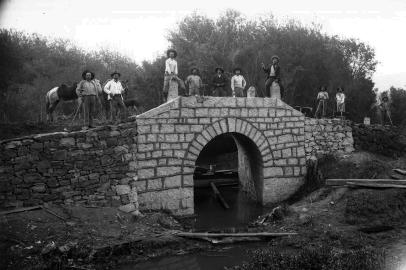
[[194, 82], [171, 73], [87, 91], [273, 72], [219, 83], [238, 83], [114, 89]]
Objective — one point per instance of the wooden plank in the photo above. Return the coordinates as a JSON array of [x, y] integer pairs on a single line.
[[18, 210], [256, 234], [218, 182], [219, 196], [374, 185], [341, 182]]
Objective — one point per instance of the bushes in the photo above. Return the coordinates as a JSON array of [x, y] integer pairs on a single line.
[[322, 258]]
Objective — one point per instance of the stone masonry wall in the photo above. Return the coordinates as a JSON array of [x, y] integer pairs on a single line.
[[172, 136], [96, 167], [327, 136]]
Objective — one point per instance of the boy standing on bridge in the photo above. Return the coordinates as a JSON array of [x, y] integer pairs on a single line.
[[194, 82], [238, 83], [114, 89]]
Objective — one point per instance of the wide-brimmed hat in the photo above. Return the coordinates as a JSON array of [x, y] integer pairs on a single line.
[[115, 72], [237, 68], [194, 68], [219, 68], [275, 57], [85, 72], [171, 50]]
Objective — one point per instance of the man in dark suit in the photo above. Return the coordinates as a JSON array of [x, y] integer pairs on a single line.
[[219, 83], [273, 72]]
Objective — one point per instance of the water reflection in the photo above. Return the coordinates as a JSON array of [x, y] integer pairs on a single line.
[[212, 216]]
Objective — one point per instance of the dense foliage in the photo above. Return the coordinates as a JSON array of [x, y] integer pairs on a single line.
[[31, 65], [398, 105]]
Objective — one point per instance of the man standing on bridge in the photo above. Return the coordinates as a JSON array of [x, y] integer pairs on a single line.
[[87, 91], [194, 82], [273, 72], [114, 89], [238, 83], [219, 83]]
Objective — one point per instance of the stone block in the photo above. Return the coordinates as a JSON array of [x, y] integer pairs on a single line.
[[166, 128], [154, 184], [173, 182], [145, 173], [128, 208], [123, 189], [273, 171], [39, 187], [69, 141], [166, 171], [188, 180]]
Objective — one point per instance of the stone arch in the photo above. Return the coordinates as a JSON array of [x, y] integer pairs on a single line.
[[249, 140]]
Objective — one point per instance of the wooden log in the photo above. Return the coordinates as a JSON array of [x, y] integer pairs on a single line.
[[254, 234], [374, 185], [342, 182], [218, 182], [18, 210], [219, 196]]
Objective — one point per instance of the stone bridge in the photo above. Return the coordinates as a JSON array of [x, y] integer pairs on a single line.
[[268, 133], [150, 161]]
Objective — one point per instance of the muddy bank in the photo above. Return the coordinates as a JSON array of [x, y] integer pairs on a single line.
[[332, 220]]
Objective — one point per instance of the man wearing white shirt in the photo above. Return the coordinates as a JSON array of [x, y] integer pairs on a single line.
[[238, 83], [340, 99], [114, 89], [171, 73]]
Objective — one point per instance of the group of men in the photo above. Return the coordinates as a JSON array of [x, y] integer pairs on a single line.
[[89, 89], [219, 82], [322, 100]]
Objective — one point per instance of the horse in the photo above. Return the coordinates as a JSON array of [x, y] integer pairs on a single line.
[[56, 94]]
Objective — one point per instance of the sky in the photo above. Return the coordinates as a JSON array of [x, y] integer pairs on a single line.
[[139, 29]]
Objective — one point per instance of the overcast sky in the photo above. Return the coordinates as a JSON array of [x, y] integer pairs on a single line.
[[139, 28]]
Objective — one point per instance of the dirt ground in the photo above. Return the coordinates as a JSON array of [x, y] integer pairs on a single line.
[[102, 238]]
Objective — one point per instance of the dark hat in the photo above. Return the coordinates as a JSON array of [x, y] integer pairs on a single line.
[[237, 68], [85, 72], [194, 68], [115, 72], [275, 57], [340, 89], [171, 50], [219, 68]]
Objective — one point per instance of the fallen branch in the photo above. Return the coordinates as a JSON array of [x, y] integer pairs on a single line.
[[400, 171], [53, 213], [374, 185], [257, 234], [229, 240], [343, 182], [18, 210], [219, 196]]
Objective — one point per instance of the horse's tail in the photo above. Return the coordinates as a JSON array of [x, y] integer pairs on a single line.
[[47, 102]]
